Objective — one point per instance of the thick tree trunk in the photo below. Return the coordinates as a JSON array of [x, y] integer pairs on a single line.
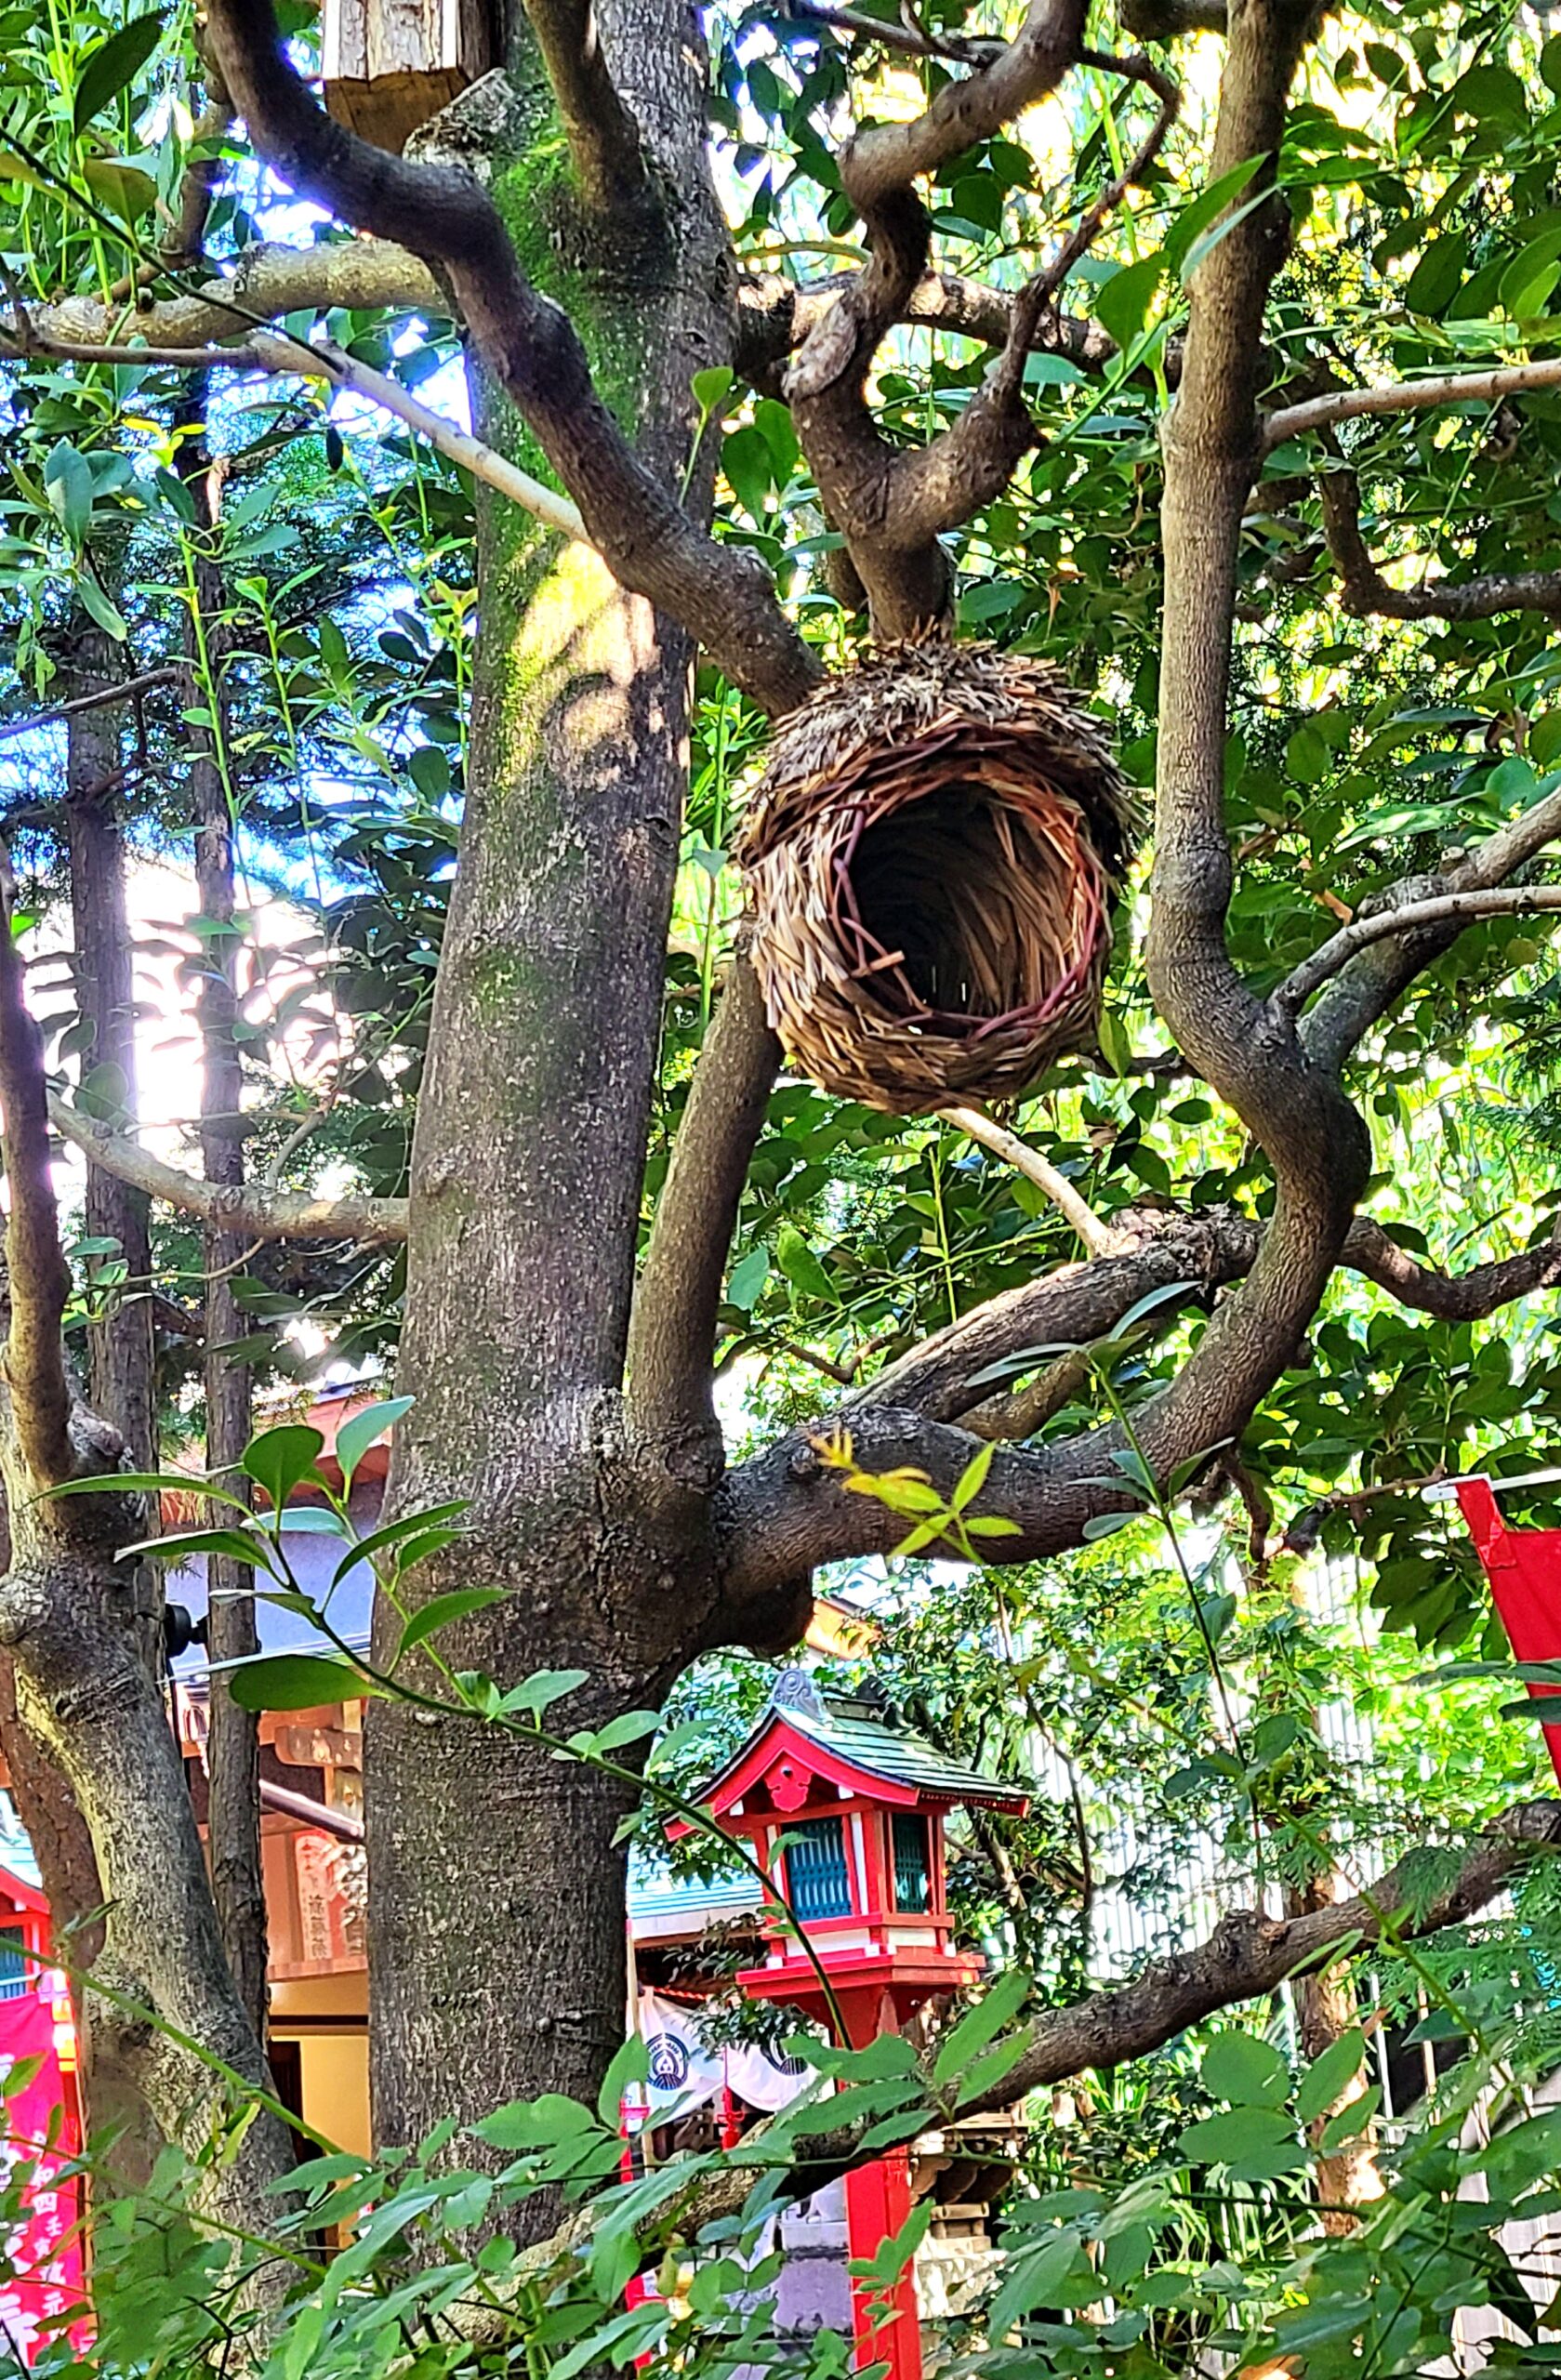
[[525, 1199], [233, 1736]]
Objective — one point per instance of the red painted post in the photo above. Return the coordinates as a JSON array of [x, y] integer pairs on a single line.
[[1524, 1567]]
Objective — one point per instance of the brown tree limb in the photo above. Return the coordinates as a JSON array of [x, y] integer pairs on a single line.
[[785, 1512], [267, 282], [603, 139], [1251, 1053], [776, 316], [1408, 396], [253, 1209], [892, 507], [722, 594], [672, 1329], [1365, 989], [1247, 1957], [1173, 19], [38, 1286], [1364, 593], [1459, 909]]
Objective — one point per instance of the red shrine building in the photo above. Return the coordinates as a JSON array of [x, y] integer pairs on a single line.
[[845, 1809]]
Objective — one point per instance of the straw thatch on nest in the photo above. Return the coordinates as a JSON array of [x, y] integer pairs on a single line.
[[932, 853]]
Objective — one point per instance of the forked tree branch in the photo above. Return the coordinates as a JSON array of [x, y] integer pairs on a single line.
[[890, 506], [1365, 988], [1458, 909], [1408, 396], [38, 1279], [785, 1511], [776, 316], [251, 1208], [1364, 593], [722, 594]]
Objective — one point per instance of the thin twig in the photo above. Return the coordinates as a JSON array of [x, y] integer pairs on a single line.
[[1098, 1238], [126, 690], [1038, 293], [1446, 908]]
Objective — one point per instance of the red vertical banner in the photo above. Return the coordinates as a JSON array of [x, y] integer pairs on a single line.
[[40, 2259], [1524, 1569]]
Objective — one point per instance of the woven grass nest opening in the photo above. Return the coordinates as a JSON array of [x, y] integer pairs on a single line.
[[933, 857]]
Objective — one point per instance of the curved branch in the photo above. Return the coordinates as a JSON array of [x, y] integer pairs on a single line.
[[1364, 593], [38, 1279], [121, 689], [1459, 909], [672, 1331], [1408, 396], [249, 1208], [1453, 1297], [890, 506], [776, 316], [1100, 1238], [603, 139], [722, 594], [1248, 1956]]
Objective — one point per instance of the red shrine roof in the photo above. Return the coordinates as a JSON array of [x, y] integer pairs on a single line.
[[851, 1742]]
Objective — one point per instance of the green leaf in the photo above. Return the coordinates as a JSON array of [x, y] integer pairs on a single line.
[[67, 487], [442, 1611], [1249, 2072], [712, 388], [802, 1267], [1329, 2073], [1350, 2122], [1204, 210], [281, 1460], [123, 190], [747, 1278], [364, 1430], [630, 2063], [109, 616], [543, 1687], [235, 1544], [410, 1525], [1122, 303], [1057, 2273], [973, 1479], [151, 1483], [1438, 276], [296, 1682], [745, 458], [1256, 2144], [629, 1728], [995, 2008], [115, 63]]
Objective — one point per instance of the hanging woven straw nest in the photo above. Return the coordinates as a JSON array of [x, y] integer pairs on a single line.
[[933, 856]]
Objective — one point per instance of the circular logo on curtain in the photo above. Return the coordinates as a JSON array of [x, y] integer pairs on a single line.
[[668, 2062], [781, 2062]]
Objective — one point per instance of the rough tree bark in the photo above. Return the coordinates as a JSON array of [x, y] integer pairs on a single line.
[[522, 1236]]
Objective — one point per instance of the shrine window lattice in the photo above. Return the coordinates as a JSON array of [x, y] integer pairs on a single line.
[[913, 1878], [817, 1878]]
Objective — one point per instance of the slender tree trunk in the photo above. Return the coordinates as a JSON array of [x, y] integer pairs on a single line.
[[1325, 2010], [233, 1738], [121, 1384], [523, 1237]]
